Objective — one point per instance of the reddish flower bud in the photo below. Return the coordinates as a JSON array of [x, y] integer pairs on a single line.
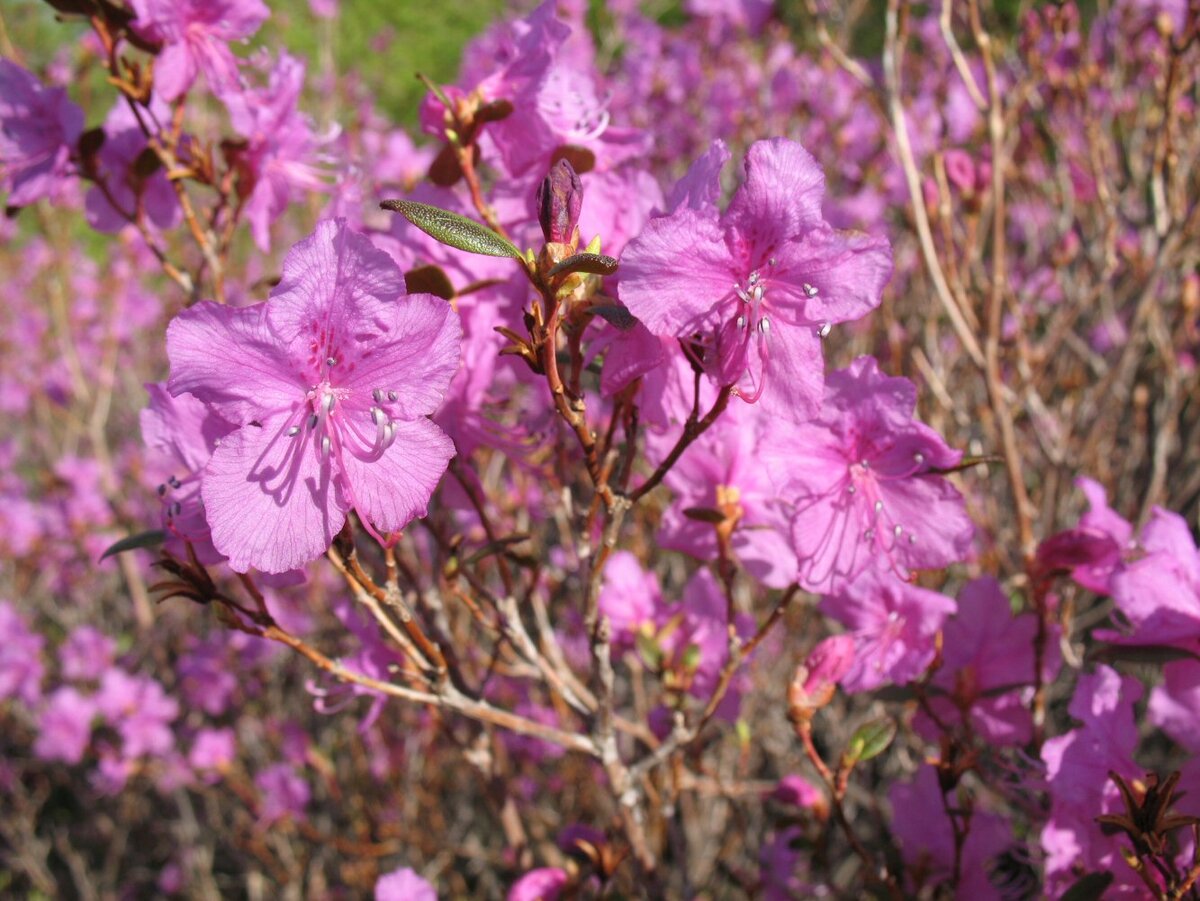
[[813, 685], [559, 198]]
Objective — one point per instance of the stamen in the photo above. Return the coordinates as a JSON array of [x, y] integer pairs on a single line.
[[162, 489], [897, 530], [293, 431], [868, 534], [392, 396], [850, 489], [878, 506], [377, 395], [329, 401], [313, 419], [764, 325], [810, 290], [326, 446], [331, 361], [741, 322], [825, 329], [173, 482], [918, 458]]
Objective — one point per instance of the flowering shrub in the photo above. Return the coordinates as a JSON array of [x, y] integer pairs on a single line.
[[538, 506]]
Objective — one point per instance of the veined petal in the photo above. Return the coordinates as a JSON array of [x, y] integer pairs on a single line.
[[339, 280], [394, 489], [230, 359], [700, 187], [415, 357], [269, 498], [830, 276], [781, 196], [677, 271], [794, 372]]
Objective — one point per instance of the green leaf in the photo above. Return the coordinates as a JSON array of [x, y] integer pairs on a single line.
[[650, 650], [153, 538], [1088, 888], [593, 263], [870, 740], [429, 280], [452, 229]]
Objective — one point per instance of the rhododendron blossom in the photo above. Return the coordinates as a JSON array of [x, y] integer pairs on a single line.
[[329, 383], [195, 36], [863, 485], [39, 126], [760, 284]]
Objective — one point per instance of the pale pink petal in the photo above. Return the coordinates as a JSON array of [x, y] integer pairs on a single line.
[[232, 360], [829, 276], [395, 489], [700, 188], [676, 271], [269, 500], [781, 196]]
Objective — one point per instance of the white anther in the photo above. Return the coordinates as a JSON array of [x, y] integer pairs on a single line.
[[326, 446], [825, 329], [293, 431], [810, 290]]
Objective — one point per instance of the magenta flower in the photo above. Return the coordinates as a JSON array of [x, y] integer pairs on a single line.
[[893, 625], [64, 726], [926, 838], [329, 383], [124, 141], [283, 793], [280, 154], [629, 597], [86, 653], [545, 884], [140, 710], [213, 750], [1077, 773], [1159, 592], [760, 284], [988, 665], [403, 885], [195, 35], [722, 470], [862, 482], [39, 127], [21, 667]]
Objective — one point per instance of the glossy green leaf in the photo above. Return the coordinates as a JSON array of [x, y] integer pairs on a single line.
[[452, 229], [152, 538]]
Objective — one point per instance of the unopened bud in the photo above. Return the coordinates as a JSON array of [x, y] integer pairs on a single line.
[[559, 199], [813, 685]]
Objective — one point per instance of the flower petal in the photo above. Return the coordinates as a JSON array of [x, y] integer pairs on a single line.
[[269, 499]]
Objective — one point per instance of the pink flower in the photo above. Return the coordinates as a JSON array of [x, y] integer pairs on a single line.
[[1159, 592], [629, 597], [213, 750], [280, 154], [861, 479], [329, 383], [403, 885], [893, 625], [760, 283], [86, 653], [1077, 773], [124, 142], [21, 667], [926, 837], [195, 35], [545, 884], [64, 727], [39, 127], [140, 710], [988, 665], [283, 793]]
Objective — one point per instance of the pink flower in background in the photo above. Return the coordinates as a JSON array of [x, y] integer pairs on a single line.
[[723, 469], [988, 665], [282, 793], [1159, 591], [86, 653], [39, 127], [1077, 773], [64, 726], [893, 625], [213, 750], [759, 283], [629, 597], [926, 838], [21, 667], [280, 156], [140, 710], [862, 483], [329, 383], [403, 885], [124, 142], [195, 35], [545, 884]]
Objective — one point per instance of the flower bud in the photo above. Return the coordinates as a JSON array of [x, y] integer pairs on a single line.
[[813, 685], [559, 198]]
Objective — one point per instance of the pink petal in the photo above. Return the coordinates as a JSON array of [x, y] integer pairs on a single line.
[[396, 488], [781, 196], [269, 499], [232, 360]]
